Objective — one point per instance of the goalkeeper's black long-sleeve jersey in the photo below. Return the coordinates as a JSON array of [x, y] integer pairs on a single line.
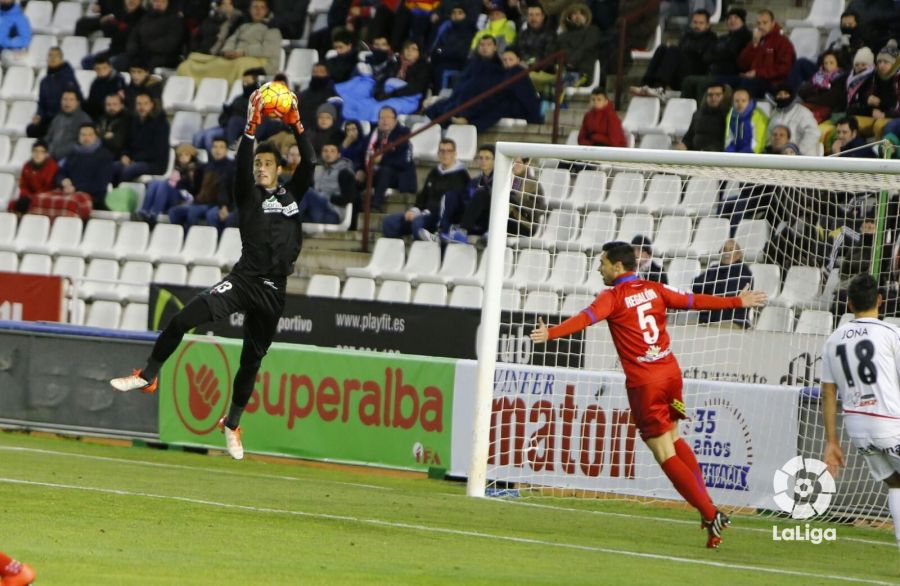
[[269, 220]]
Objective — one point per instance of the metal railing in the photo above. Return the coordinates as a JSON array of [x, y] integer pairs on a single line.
[[558, 58], [650, 7]]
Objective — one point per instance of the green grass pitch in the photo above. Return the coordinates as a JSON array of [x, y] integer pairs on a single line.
[[84, 513]]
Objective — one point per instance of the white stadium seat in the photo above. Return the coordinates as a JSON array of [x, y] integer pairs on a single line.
[[773, 318], [178, 93], [626, 191], [801, 285], [466, 138], [766, 277], [822, 14], [170, 274], [17, 83], [184, 126], [478, 278], [559, 230], [395, 291], [425, 145], [20, 155], [555, 183], [814, 321], [164, 246], [430, 294], [324, 286], [663, 194], [659, 142], [65, 234], [575, 302], [18, 117], [806, 42], [133, 283], [101, 274], [200, 242], [104, 314], [589, 191], [460, 260], [642, 115], [700, 196], [388, 256], [709, 236], [74, 50], [359, 288], [682, 271], [424, 259], [674, 234], [569, 271], [510, 300], [9, 262], [752, 236], [33, 231], [531, 269], [466, 296], [300, 64], [36, 264], [99, 235], [204, 276], [635, 225], [677, 117], [210, 95], [541, 302], [134, 318], [599, 228]]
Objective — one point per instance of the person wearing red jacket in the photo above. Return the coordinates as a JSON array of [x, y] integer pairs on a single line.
[[766, 61], [37, 176], [601, 125]]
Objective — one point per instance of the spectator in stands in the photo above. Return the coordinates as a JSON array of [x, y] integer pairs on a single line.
[[254, 44], [721, 57], [213, 184], [672, 63], [450, 47], [113, 125], [826, 91], [843, 43], [467, 212], [177, 189], [108, 82], [601, 125], [15, 29], [859, 87], [876, 20], [146, 150], [118, 25], [38, 175], [646, 268], [422, 220], [62, 134], [883, 101], [87, 169], [342, 65], [156, 39], [290, 17], [209, 38], [849, 141], [320, 88], [353, 147], [326, 129], [60, 77], [536, 42], [395, 168], [729, 277], [483, 71], [422, 15], [411, 69], [519, 100], [321, 38], [527, 204], [581, 41], [707, 129], [234, 115], [96, 12], [767, 60], [498, 26], [334, 186], [791, 113], [292, 160], [141, 81], [779, 139], [745, 125]]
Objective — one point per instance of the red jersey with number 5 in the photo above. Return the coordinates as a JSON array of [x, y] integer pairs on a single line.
[[635, 310]]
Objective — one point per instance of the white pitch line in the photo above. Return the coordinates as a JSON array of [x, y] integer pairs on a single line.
[[448, 531], [652, 518], [185, 467]]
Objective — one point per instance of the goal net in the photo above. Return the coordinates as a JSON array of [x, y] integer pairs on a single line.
[[553, 420]]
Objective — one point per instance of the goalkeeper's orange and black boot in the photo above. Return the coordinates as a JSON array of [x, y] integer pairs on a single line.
[[16, 574], [714, 529]]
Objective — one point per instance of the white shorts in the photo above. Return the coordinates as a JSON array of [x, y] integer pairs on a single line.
[[881, 454]]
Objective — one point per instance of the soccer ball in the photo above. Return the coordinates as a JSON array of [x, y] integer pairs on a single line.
[[276, 99]]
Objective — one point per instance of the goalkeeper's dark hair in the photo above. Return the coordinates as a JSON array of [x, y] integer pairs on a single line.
[[621, 252], [268, 147], [863, 292]]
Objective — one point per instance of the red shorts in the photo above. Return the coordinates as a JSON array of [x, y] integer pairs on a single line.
[[656, 407]]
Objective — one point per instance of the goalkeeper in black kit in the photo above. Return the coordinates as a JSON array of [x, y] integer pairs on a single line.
[[269, 222]]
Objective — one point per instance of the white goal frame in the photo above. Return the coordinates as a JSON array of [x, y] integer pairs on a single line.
[[876, 173]]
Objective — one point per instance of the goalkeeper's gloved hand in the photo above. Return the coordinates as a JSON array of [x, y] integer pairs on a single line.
[[254, 114], [292, 117]]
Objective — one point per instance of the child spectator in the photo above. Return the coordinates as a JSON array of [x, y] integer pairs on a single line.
[[826, 91], [37, 176], [745, 125], [601, 125]]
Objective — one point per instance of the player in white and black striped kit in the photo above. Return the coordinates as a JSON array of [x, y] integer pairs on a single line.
[[861, 362]]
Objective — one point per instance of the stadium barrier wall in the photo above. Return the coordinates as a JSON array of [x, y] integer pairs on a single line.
[[324, 404], [56, 377], [730, 429], [348, 324]]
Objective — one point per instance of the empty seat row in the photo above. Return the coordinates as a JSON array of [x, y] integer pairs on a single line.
[[425, 145], [104, 279], [110, 315], [361, 288], [774, 318], [629, 191], [128, 241]]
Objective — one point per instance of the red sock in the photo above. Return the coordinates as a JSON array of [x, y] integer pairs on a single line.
[[4, 561], [686, 455], [686, 485]]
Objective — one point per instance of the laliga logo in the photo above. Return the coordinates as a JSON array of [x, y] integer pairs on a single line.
[[812, 490], [810, 495]]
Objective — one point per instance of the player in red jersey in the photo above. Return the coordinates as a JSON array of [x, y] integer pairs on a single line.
[[14, 573], [635, 310]]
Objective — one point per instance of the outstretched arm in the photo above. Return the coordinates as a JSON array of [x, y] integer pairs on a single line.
[[600, 308], [243, 172], [302, 178], [678, 300]]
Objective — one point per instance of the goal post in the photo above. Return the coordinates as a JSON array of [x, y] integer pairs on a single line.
[[554, 420]]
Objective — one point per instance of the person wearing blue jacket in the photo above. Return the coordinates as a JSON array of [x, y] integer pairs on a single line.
[[15, 30], [395, 168], [88, 168], [746, 126]]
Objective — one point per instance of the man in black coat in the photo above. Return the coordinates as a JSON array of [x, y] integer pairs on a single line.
[[87, 168], [707, 129], [156, 39], [729, 277], [113, 125], [721, 57], [450, 47], [320, 88], [671, 64], [146, 150]]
